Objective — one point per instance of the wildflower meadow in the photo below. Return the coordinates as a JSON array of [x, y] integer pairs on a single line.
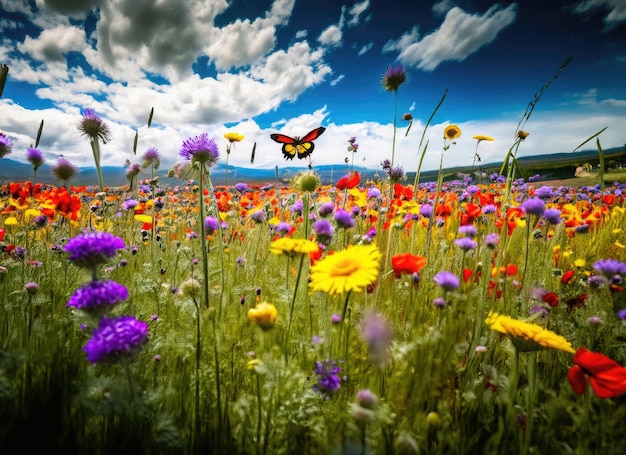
[[479, 314]]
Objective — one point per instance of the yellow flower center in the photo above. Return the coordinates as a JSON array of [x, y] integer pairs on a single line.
[[344, 267]]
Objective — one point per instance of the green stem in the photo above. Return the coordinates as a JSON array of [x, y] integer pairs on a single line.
[[220, 241], [293, 304], [95, 148], [205, 255], [259, 413]]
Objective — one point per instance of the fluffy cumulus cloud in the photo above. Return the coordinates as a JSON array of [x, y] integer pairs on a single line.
[[460, 35], [615, 10]]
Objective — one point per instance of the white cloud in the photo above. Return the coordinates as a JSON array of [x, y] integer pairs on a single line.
[[337, 80], [354, 13], [460, 35], [365, 49], [16, 6], [616, 10], [331, 36], [243, 42], [51, 44]]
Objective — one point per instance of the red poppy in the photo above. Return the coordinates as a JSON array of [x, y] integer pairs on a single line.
[[607, 377], [407, 263], [567, 277], [2, 232], [551, 299], [348, 181]]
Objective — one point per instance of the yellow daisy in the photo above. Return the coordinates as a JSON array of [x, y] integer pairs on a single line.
[[527, 336], [290, 247], [452, 132], [352, 269], [234, 137], [482, 137], [264, 315]]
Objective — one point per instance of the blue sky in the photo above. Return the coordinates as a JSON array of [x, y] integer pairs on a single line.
[[259, 67]]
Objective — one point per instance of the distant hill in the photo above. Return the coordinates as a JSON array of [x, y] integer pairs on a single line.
[[552, 166]]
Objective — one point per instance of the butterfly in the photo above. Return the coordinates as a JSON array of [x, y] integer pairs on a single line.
[[300, 146]]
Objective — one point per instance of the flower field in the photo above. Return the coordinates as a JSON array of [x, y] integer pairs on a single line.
[[358, 317]]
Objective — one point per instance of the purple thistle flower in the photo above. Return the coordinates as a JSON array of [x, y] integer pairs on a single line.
[[152, 158], [373, 193], [31, 287], [92, 126], [544, 192], [35, 157], [610, 268], [241, 187], [468, 229], [621, 314], [377, 333], [488, 209], [40, 221], [200, 149], [210, 224], [465, 243], [533, 206], [344, 219], [115, 338], [393, 78], [98, 295], [323, 230], [447, 280], [328, 379], [426, 210], [129, 204], [283, 228], [440, 302], [491, 240], [326, 209], [552, 216], [297, 206], [396, 174], [93, 248], [5, 145], [64, 170], [258, 216]]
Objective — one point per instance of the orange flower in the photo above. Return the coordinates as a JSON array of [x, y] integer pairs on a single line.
[[348, 181], [407, 263]]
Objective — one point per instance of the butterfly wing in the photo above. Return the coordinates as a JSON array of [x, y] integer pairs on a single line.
[[289, 145], [305, 146]]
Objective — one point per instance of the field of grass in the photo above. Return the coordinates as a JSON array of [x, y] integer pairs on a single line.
[[371, 319]]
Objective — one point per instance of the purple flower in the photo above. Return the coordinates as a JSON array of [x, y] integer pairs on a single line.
[[328, 379], [610, 267], [366, 399], [377, 333], [426, 210], [373, 193], [283, 227], [151, 157], [447, 280], [258, 216], [491, 240], [200, 149], [93, 248], [241, 187], [35, 157], [5, 145], [396, 174], [465, 243], [64, 170], [129, 204], [326, 209], [440, 302], [544, 192], [31, 287], [297, 206], [98, 295], [92, 126], [552, 216], [533, 206], [468, 229], [621, 314], [335, 318], [393, 78], [40, 221], [210, 224], [323, 230], [115, 338], [344, 219], [489, 208]]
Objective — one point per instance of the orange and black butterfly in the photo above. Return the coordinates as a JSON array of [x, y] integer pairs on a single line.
[[300, 146]]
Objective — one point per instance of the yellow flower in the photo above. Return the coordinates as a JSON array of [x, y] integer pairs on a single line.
[[352, 269], [143, 218], [234, 137], [264, 315], [10, 221], [527, 336], [580, 263], [482, 137], [522, 134], [452, 132], [290, 247]]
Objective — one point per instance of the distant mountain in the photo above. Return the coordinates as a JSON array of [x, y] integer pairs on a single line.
[[556, 165]]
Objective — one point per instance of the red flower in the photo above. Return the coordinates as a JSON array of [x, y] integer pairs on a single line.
[[348, 181], [2, 232], [607, 377], [551, 299], [407, 263], [567, 277]]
